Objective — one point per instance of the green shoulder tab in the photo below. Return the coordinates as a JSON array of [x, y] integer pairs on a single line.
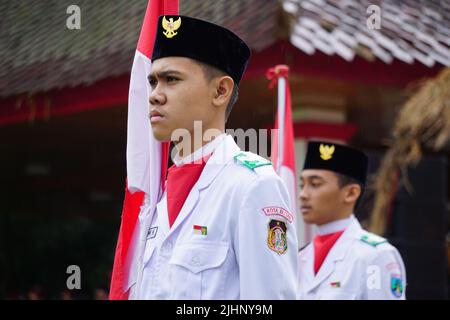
[[372, 239], [251, 160]]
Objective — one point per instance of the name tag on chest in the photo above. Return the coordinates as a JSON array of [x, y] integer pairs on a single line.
[[152, 233]]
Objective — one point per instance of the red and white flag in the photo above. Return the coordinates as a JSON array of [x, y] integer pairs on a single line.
[[146, 157], [283, 152]]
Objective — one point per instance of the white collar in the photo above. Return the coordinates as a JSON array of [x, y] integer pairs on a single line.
[[334, 226], [199, 153]]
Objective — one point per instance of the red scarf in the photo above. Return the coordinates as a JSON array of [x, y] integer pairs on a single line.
[[323, 245], [180, 181]]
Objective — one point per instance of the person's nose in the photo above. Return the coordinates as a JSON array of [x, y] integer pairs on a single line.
[[304, 195], [157, 97]]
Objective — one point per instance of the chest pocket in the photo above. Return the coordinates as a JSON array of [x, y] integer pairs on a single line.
[[196, 269]]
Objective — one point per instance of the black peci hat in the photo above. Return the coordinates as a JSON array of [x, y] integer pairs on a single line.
[[181, 36], [337, 158]]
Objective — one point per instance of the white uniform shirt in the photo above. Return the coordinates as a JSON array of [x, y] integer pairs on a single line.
[[359, 266], [234, 237]]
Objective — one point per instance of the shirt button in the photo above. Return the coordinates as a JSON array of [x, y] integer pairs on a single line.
[[168, 246], [195, 260]]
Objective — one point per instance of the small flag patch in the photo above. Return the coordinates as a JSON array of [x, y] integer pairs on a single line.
[[335, 284], [200, 230]]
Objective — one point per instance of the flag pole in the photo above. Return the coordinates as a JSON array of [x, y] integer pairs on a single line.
[[281, 115], [283, 143]]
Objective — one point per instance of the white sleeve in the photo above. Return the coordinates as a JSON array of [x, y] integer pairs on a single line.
[[388, 281], [266, 242]]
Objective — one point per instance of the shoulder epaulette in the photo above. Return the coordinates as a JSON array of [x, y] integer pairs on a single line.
[[372, 239], [251, 160]]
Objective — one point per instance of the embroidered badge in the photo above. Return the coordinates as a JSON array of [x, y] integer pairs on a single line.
[[278, 211], [276, 239], [336, 284], [171, 27], [393, 266], [326, 152], [152, 232], [396, 285], [201, 230]]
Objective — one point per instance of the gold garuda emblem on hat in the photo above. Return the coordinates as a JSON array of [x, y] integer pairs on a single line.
[[326, 152], [170, 26]]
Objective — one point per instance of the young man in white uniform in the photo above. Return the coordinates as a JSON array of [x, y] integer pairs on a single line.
[[344, 261], [223, 228]]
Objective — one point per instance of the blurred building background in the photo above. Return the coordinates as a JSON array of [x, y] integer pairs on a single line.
[[63, 113]]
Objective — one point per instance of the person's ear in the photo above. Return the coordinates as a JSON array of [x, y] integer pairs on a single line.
[[352, 193], [223, 89]]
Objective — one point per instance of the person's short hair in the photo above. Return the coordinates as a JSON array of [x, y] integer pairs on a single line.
[[344, 180], [212, 72]]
